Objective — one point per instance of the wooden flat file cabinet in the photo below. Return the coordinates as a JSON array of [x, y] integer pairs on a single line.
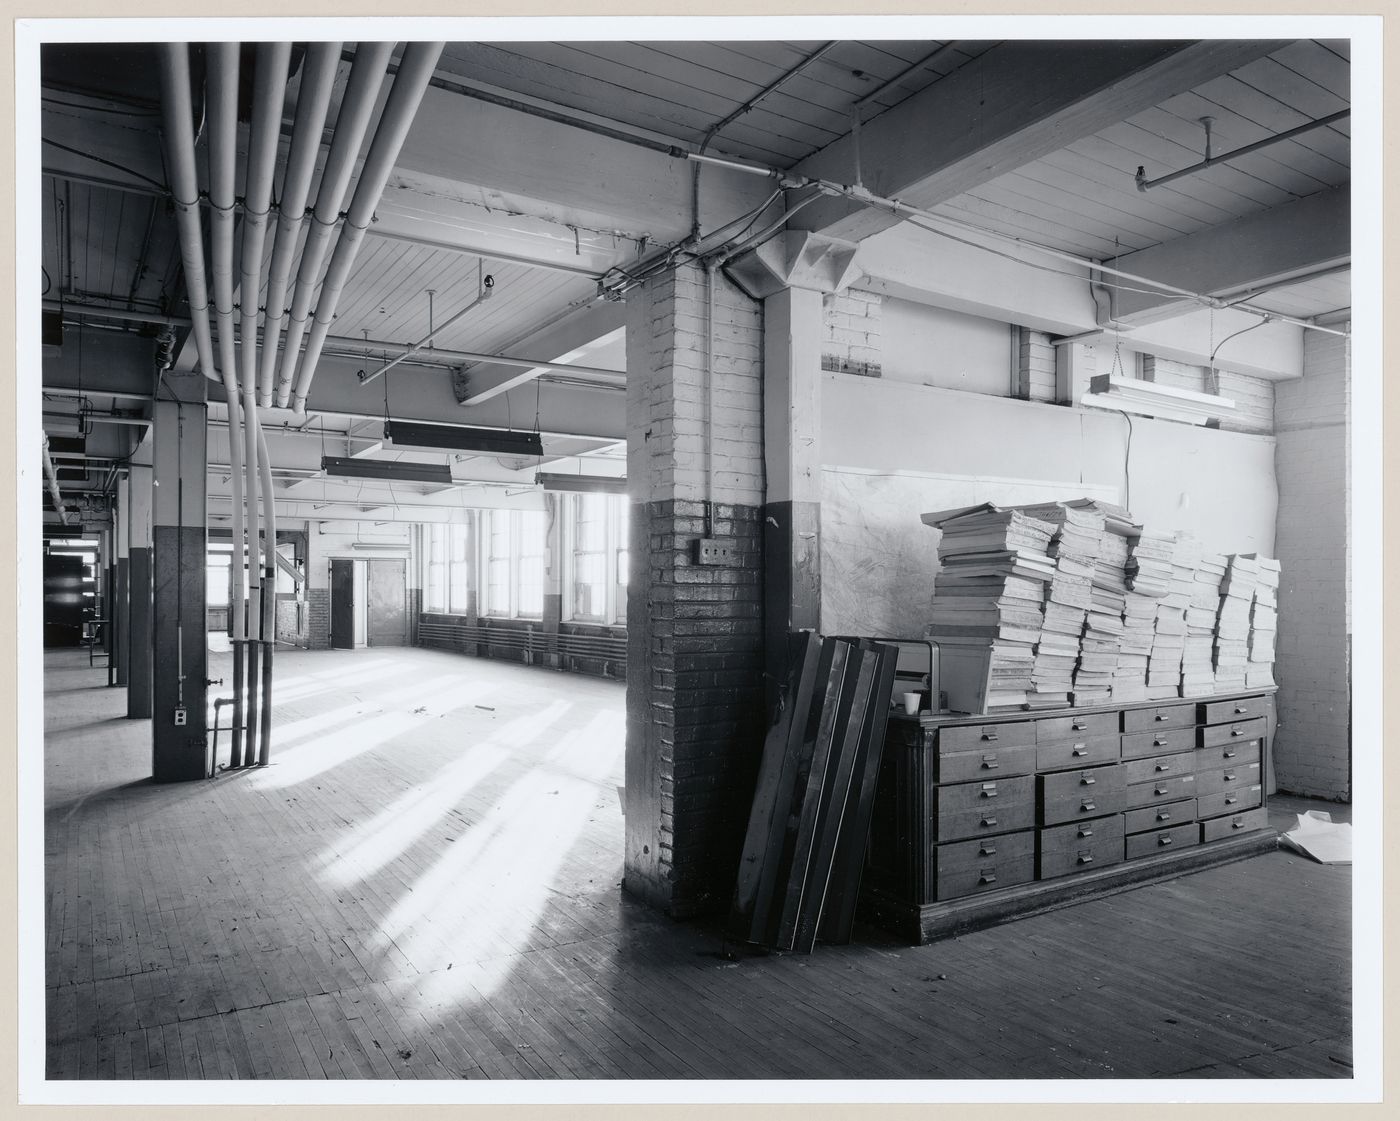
[[982, 818]]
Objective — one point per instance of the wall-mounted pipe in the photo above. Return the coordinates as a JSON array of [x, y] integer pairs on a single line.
[[1144, 183], [313, 102], [410, 84], [177, 114], [352, 122], [51, 474], [268, 627]]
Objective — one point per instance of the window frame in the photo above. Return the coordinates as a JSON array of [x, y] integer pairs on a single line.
[[614, 552]]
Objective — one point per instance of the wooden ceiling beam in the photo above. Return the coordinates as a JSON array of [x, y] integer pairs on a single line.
[[1011, 106]]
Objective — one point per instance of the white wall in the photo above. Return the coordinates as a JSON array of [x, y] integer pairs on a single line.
[[946, 448], [925, 344]]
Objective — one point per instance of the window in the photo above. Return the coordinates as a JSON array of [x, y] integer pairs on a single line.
[[459, 570], [513, 563], [597, 527], [216, 579], [435, 578]]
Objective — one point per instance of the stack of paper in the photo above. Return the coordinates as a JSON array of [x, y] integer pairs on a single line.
[[1201, 614], [1103, 625], [988, 596], [1197, 668], [1263, 624], [1232, 623]]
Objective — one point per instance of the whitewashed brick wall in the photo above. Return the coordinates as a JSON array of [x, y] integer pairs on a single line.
[[1253, 397], [851, 329], [1035, 366], [1312, 752]]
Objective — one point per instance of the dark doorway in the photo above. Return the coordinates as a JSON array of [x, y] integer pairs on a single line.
[[342, 604], [388, 604]]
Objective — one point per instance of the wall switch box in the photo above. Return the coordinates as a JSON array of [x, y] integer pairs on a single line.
[[714, 550], [180, 716]]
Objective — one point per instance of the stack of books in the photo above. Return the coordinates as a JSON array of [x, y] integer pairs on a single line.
[[987, 604], [1201, 614], [1263, 624], [1103, 625], [1237, 589], [1074, 549]]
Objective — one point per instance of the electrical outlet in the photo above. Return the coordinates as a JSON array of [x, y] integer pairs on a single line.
[[180, 716], [713, 550]]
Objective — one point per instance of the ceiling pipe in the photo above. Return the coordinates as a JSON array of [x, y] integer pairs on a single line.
[[410, 84], [313, 103], [269, 92], [222, 88], [52, 476], [352, 122], [178, 131]]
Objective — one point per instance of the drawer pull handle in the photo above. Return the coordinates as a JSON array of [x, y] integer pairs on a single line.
[[1079, 749], [1237, 823], [1087, 780], [1163, 767], [1159, 790], [987, 877], [1086, 806], [1085, 858], [1237, 731], [989, 763], [1240, 710], [989, 821], [987, 849], [1228, 776], [1231, 801], [990, 737], [1164, 815], [1164, 839], [1231, 754], [1159, 717], [989, 790], [1077, 726], [1086, 833]]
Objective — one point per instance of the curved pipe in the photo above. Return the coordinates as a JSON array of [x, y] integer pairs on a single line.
[[313, 102], [51, 474], [352, 122], [269, 604], [177, 113], [410, 84]]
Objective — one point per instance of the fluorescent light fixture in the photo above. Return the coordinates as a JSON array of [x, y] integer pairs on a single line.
[[586, 484], [438, 473], [457, 438], [1147, 398]]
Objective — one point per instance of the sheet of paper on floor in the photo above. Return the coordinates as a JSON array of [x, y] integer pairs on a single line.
[[1318, 836]]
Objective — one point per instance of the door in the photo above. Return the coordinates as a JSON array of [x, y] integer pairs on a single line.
[[388, 603], [342, 604]]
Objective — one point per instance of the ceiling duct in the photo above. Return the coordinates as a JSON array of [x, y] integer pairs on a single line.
[[393, 472], [456, 438]]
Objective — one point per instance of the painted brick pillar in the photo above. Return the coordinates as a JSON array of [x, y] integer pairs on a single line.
[[139, 607], [178, 529], [1312, 750], [119, 611], [694, 632]]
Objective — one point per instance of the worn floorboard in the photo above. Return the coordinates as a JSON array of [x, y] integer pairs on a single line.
[[425, 884]]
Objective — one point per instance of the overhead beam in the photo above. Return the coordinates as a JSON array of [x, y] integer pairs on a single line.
[[1018, 102], [566, 339], [1307, 235]]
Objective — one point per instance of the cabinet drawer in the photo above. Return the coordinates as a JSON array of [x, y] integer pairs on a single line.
[[1217, 734], [1232, 777], [1230, 801], [1161, 790], [1241, 708], [972, 737], [1077, 847], [986, 864], [1160, 766], [1165, 816], [988, 763], [1160, 840], [1071, 795], [1236, 751], [1162, 741], [1076, 753], [1164, 716], [971, 809], [1234, 823], [1087, 726]]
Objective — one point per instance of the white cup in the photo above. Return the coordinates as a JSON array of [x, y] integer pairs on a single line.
[[911, 702]]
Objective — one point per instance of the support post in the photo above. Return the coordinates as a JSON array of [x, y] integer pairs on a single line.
[[140, 666]]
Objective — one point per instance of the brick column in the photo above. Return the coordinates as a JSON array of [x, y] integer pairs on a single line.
[[694, 632], [1035, 366], [139, 652]]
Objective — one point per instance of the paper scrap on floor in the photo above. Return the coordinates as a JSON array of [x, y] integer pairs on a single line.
[[1318, 836]]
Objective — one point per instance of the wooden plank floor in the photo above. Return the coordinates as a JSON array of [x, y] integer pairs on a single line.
[[425, 884]]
